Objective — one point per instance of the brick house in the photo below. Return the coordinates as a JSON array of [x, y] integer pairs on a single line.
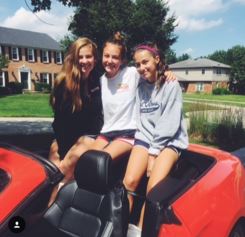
[[201, 75], [33, 57]]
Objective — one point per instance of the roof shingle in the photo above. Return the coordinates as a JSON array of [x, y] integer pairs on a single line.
[[198, 63], [24, 38]]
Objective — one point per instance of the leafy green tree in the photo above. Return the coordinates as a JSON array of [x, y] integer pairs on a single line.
[[170, 57], [66, 42], [219, 56], [149, 22], [140, 20], [235, 57], [183, 57], [3, 62], [98, 20]]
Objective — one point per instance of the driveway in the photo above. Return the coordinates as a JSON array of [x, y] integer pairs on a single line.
[[25, 126]]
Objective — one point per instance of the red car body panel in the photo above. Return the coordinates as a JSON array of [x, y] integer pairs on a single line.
[[214, 204], [22, 170]]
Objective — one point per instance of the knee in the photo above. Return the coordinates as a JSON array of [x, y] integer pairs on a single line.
[[130, 182]]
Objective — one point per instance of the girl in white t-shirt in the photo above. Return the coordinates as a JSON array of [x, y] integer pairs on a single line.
[[118, 87]]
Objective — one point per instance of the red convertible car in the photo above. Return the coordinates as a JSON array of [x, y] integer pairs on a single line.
[[204, 196]]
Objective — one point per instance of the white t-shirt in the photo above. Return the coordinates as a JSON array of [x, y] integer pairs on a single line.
[[118, 99]]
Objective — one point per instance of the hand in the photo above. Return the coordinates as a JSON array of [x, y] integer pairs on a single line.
[[170, 76], [151, 161]]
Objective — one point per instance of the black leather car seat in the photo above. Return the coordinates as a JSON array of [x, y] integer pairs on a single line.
[[95, 204]]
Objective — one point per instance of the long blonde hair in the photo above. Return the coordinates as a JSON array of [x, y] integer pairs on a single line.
[[71, 76]]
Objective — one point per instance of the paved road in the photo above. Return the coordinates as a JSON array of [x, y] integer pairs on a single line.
[[25, 126]]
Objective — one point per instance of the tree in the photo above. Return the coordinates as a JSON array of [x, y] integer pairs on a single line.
[[3, 62], [183, 57], [219, 56], [235, 57], [140, 20], [66, 42], [170, 57]]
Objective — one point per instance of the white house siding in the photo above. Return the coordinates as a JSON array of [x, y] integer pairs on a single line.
[[196, 75]]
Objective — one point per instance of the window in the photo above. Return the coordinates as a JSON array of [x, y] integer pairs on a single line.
[[0, 50], [200, 87], [45, 78], [30, 55], [15, 53], [45, 56], [58, 58], [218, 71], [2, 79], [186, 72], [203, 71]]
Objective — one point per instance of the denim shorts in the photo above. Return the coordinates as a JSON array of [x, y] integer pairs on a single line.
[[138, 142], [126, 135]]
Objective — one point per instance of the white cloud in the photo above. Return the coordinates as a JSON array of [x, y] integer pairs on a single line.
[[192, 15], [193, 24], [195, 7], [240, 1], [188, 51], [56, 24]]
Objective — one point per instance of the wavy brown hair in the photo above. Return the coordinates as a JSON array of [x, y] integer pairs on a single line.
[[70, 75]]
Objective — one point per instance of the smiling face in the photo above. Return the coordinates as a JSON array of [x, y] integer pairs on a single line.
[[146, 64], [86, 60], [111, 59]]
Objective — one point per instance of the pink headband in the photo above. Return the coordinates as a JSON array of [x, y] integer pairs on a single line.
[[146, 47]]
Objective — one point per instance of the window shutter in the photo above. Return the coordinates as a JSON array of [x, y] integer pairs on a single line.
[[35, 55], [41, 55], [50, 78], [6, 76], [20, 53], [3, 50], [49, 57], [10, 53], [55, 59], [26, 54]]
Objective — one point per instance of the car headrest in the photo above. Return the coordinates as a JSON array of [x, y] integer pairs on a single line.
[[93, 171]]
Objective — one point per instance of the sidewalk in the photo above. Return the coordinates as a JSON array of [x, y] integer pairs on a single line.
[[25, 126]]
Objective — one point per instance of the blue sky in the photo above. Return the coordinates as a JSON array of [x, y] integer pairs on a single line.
[[204, 26]]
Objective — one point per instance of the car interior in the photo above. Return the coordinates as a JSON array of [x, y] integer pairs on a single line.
[[95, 203]]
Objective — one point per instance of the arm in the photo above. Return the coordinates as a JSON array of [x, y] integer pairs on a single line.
[[170, 76], [169, 121]]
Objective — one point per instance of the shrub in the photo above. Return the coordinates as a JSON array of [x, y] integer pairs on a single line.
[[229, 133], [224, 128], [42, 87], [15, 87], [4, 91], [221, 91]]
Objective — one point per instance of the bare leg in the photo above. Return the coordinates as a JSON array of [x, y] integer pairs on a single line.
[[118, 148], [53, 153], [67, 165], [99, 144], [136, 168], [162, 166]]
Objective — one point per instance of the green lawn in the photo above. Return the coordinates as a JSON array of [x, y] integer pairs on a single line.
[[238, 100], [25, 105], [37, 105]]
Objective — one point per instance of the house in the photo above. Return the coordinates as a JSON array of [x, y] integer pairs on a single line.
[[201, 75], [33, 57]]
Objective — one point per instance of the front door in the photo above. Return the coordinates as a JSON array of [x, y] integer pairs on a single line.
[[24, 79]]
